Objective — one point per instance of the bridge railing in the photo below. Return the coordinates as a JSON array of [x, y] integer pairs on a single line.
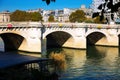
[[75, 25], [58, 25]]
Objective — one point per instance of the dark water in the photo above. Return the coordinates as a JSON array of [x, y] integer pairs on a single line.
[[96, 63]]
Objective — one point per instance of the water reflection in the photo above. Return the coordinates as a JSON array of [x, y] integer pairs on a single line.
[[95, 63], [75, 59], [59, 61], [101, 63], [107, 55]]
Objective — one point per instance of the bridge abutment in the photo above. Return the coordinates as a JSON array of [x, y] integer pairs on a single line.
[[30, 45], [77, 42], [111, 41]]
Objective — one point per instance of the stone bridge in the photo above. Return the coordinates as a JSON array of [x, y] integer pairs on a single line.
[[37, 37]]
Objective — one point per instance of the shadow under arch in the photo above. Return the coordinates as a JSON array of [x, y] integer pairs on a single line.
[[119, 43], [95, 45], [11, 41], [119, 39], [96, 38], [57, 39]]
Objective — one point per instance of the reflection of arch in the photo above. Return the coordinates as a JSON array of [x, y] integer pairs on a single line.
[[11, 41], [58, 39], [96, 38]]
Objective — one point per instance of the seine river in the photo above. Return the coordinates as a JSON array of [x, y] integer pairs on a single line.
[[95, 63]]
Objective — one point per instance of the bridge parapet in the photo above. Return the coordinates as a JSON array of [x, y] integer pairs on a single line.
[[60, 25], [79, 25]]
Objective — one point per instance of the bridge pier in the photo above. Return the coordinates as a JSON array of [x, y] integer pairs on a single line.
[[43, 48], [112, 40], [78, 43], [30, 45]]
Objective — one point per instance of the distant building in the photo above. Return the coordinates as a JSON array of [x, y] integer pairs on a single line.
[[46, 14], [34, 10], [5, 16], [59, 15], [63, 15], [87, 11]]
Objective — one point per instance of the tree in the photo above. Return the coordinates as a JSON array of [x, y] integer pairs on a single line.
[[107, 6], [18, 16], [97, 20], [51, 18], [89, 20], [77, 16], [25, 16], [36, 16]]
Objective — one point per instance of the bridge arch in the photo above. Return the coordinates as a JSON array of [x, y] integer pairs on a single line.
[[11, 41], [59, 39], [47, 32], [96, 38]]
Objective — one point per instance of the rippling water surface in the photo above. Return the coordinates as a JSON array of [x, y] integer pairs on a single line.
[[96, 63]]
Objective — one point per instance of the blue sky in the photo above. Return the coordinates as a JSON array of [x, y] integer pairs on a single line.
[[13, 5]]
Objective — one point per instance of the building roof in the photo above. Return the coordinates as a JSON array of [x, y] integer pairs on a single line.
[[9, 60]]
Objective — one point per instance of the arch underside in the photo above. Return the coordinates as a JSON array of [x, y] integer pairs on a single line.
[[119, 39], [11, 41], [58, 39], [96, 38]]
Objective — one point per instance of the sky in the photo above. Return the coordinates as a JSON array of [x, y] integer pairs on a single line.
[[13, 5]]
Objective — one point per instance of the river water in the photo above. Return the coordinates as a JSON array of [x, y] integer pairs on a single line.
[[95, 63]]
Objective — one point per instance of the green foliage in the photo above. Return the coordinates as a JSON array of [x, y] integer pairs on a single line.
[[89, 20], [77, 16], [25, 16], [51, 18], [36, 16], [97, 20], [18, 15]]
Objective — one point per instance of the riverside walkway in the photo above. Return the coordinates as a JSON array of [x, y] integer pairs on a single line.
[[11, 60]]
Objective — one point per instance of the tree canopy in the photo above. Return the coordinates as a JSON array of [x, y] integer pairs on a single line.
[[51, 18], [19, 15], [77, 16], [110, 6]]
